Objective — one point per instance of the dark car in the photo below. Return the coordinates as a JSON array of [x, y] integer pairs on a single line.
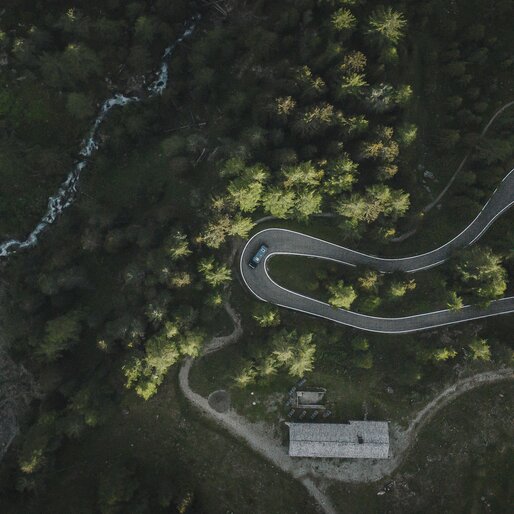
[[261, 252]]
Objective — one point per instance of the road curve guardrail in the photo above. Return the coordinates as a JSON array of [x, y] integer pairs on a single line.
[[288, 242]]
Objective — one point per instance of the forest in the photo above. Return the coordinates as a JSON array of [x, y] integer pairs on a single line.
[[341, 118]]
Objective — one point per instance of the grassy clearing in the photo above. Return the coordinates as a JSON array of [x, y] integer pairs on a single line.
[[462, 462], [311, 276], [397, 384], [399, 381], [170, 444]]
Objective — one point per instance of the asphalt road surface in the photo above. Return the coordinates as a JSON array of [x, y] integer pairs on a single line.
[[287, 242]]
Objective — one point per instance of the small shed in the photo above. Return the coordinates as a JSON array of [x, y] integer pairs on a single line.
[[310, 399], [352, 440]]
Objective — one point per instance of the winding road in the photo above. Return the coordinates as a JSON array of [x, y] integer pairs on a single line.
[[288, 242]]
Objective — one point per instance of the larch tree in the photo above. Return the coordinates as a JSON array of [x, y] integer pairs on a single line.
[[369, 281], [480, 349], [269, 366], [387, 26], [340, 175], [455, 302], [303, 361], [246, 376], [344, 20], [283, 344], [60, 334], [341, 296], [215, 274], [481, 274], [279, 203], [177, 246], [266, 315]]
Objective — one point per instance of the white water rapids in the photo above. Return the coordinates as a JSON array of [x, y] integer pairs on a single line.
[[68, 189]]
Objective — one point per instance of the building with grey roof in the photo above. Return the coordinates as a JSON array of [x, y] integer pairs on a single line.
[[352, 440]]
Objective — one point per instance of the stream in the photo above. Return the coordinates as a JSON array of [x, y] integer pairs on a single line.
[[16, 385], [67, 191]]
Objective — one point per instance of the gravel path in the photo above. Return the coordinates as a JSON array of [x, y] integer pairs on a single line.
[[313, 473], [263, 439], [259, 437]]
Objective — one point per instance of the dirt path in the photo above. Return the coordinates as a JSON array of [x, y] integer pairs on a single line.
[[439, 197], [313, 473], [259, 437], [449, 394], [262, 438], [432, 204], [217, 343]]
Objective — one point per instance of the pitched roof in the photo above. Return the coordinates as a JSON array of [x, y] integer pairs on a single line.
[[355, 439]]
